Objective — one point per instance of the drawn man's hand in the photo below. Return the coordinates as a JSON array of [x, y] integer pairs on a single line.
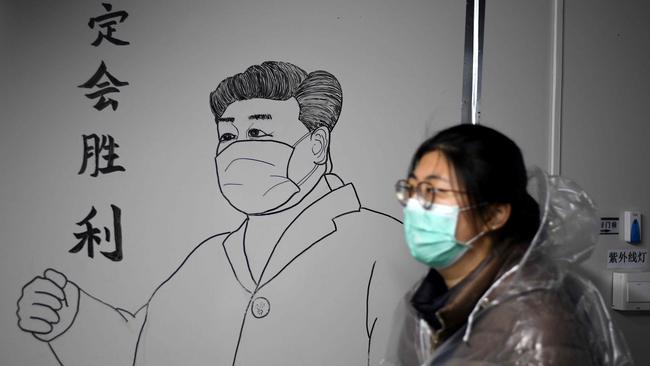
[[48, 305]]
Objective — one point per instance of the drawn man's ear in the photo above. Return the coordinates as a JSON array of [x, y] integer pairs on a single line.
[[320, 145]]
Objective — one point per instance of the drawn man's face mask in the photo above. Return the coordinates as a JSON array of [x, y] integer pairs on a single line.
[[257, 176]]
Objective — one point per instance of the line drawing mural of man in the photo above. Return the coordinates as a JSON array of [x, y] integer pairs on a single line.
[[310, 277]]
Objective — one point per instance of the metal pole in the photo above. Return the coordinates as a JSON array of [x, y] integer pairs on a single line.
[[473, 61]]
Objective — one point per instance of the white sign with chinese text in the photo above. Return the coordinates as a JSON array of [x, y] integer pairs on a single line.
[[609, 226], [627, 258]]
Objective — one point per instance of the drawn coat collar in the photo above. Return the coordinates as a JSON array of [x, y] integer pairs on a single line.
[[319, 217]]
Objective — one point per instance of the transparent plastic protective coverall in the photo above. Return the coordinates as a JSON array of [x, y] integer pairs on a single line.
[[538, 311]]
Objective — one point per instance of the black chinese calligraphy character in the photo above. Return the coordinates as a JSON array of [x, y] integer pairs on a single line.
[[107, 21], [105, 87], [93, 148], [91, 235], [117, 254], [633, 257], [613, 257]]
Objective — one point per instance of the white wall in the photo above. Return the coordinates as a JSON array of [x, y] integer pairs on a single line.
[[515, 97], [408, 55], [399, 63], [605, 126]]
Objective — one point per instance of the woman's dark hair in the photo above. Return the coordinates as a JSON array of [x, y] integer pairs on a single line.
[[490, 168]]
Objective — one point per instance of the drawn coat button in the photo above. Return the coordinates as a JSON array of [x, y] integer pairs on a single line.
[[260, 307]]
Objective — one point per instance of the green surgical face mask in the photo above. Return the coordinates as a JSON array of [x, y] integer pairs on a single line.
[[431, 234]]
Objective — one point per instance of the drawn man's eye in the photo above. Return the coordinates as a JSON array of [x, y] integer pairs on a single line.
[[256, 133], [227, 137]]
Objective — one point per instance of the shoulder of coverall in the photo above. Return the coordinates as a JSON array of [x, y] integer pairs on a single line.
[[567, 234], [541, 309], [454, 313]]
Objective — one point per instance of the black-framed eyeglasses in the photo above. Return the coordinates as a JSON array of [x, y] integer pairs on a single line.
[[424, 192]]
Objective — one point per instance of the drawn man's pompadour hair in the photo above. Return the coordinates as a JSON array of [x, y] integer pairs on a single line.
[[318, 93]]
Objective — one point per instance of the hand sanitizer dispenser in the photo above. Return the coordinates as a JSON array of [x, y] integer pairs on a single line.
[[632, 227]]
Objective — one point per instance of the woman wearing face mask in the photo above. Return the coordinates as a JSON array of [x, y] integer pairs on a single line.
[[500, 290]]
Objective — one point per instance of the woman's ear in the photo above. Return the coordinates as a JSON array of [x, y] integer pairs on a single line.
[[498, 216], [320, 144]]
